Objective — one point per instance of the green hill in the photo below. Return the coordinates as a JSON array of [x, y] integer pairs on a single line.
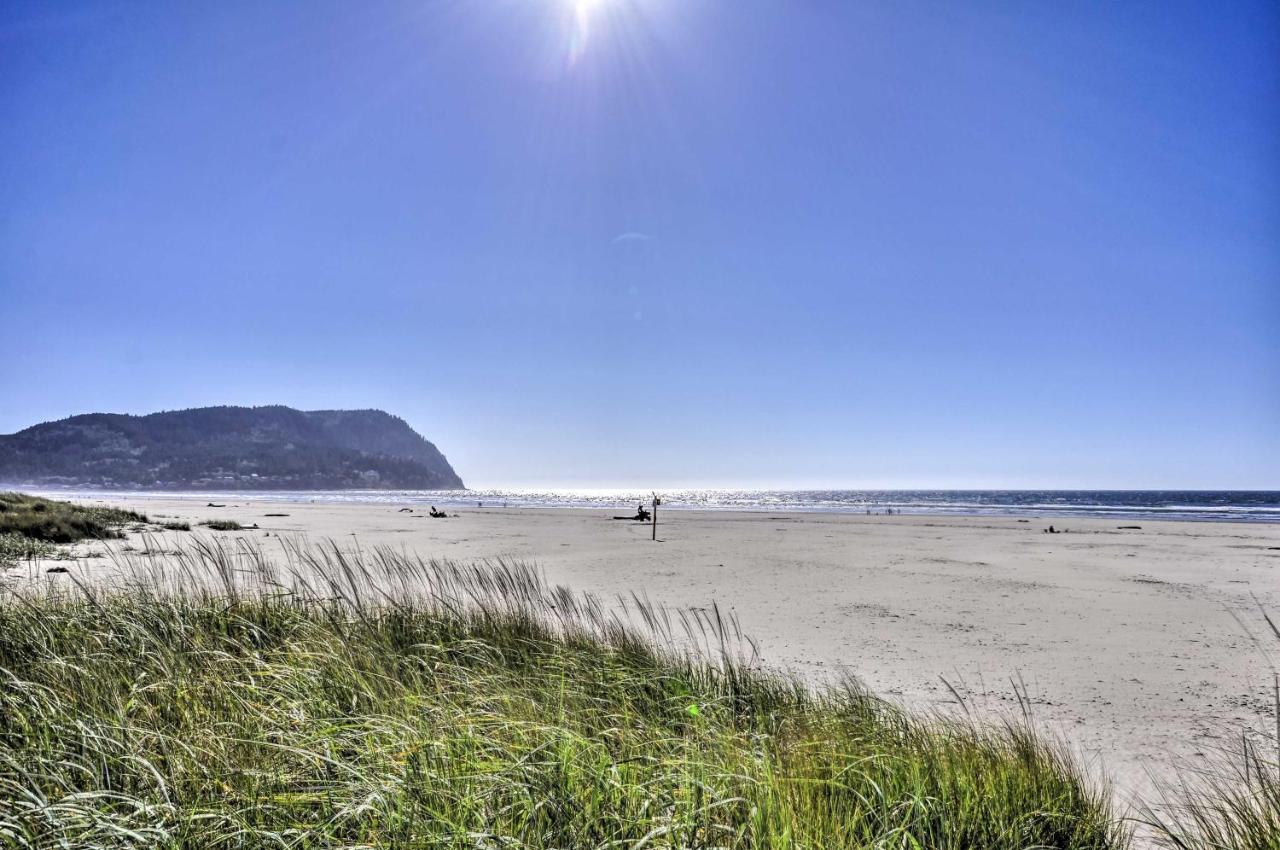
[[227, 448]]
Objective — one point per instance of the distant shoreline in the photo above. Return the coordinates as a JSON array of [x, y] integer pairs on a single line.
[[1233, 506]]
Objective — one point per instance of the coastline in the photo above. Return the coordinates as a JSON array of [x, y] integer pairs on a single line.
[[1248, 506], [1124, 639]]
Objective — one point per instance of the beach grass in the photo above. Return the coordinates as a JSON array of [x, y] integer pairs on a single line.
[[222, 525], [18, 547], [222, 695], [1235, 806], [52, 521]]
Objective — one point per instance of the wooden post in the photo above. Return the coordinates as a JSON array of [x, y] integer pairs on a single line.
[[656, 502]]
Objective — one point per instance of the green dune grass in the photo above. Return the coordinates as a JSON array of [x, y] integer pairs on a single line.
[[1235, 806], [222, 525], [53, 521], [223, 697]]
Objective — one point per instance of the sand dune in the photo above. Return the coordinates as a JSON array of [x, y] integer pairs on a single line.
[[1125, 639]]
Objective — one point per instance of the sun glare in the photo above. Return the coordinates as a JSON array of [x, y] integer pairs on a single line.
[[583, 11]]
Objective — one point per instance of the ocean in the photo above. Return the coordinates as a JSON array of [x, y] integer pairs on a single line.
[[1219, 505]]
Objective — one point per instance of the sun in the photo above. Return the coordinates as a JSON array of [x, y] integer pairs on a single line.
[[592, 25], [581, 28]]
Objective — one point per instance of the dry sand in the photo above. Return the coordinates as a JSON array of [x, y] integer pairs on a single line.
[[1124, 638]]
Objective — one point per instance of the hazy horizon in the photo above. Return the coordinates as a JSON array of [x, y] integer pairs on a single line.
[[659, 244]]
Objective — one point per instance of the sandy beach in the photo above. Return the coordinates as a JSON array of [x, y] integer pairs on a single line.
[[1124, 638]]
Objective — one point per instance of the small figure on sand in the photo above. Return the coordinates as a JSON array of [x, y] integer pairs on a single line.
[[437, 514], [642, 514]]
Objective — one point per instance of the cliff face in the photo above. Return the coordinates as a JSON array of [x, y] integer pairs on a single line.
[[227, 448]]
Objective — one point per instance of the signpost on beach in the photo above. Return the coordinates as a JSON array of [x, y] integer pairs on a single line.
[[656, 502]]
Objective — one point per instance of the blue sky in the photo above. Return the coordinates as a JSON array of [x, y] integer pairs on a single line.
[[663, 242]]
